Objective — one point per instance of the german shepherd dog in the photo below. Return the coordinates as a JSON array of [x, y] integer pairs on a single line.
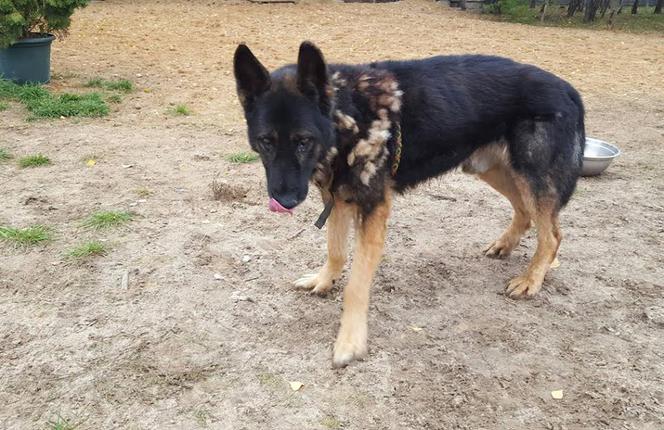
[[362, 132]]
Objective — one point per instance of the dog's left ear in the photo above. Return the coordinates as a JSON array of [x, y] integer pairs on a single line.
[[312, 78]]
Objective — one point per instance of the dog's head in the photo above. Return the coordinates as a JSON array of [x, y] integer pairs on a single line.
[[289, 121]]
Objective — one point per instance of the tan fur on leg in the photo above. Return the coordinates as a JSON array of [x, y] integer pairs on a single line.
[[502, 180], [337, 240], [352, 339], [549, 237]]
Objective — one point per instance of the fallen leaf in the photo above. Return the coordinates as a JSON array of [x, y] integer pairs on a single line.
[[296, 385], [91, 162], [557, 394], [415, 328]]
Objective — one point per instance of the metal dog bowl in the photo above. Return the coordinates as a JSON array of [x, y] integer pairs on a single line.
[[597, 156]]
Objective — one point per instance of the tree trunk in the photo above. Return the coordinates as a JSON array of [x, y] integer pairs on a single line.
[[590, 10], [532, 4], [546, 3], [658, 6], [635, 7], [572, 7], [605, 5]]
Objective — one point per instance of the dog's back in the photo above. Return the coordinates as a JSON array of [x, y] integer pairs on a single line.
[[453, 105]]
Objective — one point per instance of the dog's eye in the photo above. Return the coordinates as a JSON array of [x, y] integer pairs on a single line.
[[303, 144], [264, 142]]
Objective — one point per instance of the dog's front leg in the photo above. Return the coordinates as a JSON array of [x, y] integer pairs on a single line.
[[337, 238], [370, 240]]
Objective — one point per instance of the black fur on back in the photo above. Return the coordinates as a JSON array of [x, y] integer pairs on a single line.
[[453, 105]]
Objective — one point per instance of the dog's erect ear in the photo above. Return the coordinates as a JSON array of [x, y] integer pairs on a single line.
[[251, 77], [312, 75]]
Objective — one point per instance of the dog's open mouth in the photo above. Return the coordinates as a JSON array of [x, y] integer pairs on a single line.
[[275, 206]]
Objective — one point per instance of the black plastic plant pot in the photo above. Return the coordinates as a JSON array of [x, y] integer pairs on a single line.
[[28, 60]]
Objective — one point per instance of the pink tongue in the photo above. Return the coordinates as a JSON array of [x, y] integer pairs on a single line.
[[275, 206]]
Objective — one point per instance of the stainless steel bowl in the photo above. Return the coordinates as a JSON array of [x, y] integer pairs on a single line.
[[597, 156]]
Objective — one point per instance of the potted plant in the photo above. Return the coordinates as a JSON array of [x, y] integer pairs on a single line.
[[27, 28]]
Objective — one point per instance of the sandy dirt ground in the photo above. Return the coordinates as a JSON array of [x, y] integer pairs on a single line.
[[181, 349]]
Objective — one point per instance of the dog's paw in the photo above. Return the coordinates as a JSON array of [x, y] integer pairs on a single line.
[[523, 286], [500, 248], [350, 345], [317, 283]]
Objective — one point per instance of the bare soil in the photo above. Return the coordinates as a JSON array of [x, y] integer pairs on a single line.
[[181, 349]]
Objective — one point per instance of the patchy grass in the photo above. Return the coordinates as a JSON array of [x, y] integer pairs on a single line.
[[120, 85], [180, 110], [88, 249], [56, 76], [34, 161], [60, 423], [331, 422], [3, 106], [4, 155], [95, 83], [114, 98], [123, 85], [42, 104], [143, 192], [90, 160], [107, 219], [242, 157], [202, 416], [519, 11], [271, 380], [25, 236]]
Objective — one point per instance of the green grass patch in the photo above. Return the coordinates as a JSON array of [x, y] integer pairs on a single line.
[[123, 85], [88, 249], [42, 104], [34, 161], [180, 110], [60, 423], [242, 157], [3, 106], [519, 11], [4, 155], [107, 219], [120, 85], [25, 236], [68, 105]]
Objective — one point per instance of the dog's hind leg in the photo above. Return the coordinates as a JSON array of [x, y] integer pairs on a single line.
[[544, 211], [351, 342], [338, 226], [501, 178]]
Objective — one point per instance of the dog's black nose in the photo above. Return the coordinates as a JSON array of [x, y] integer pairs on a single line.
[[289, 201]]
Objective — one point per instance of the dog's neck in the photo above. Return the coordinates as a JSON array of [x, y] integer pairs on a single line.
[[366, 114]]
